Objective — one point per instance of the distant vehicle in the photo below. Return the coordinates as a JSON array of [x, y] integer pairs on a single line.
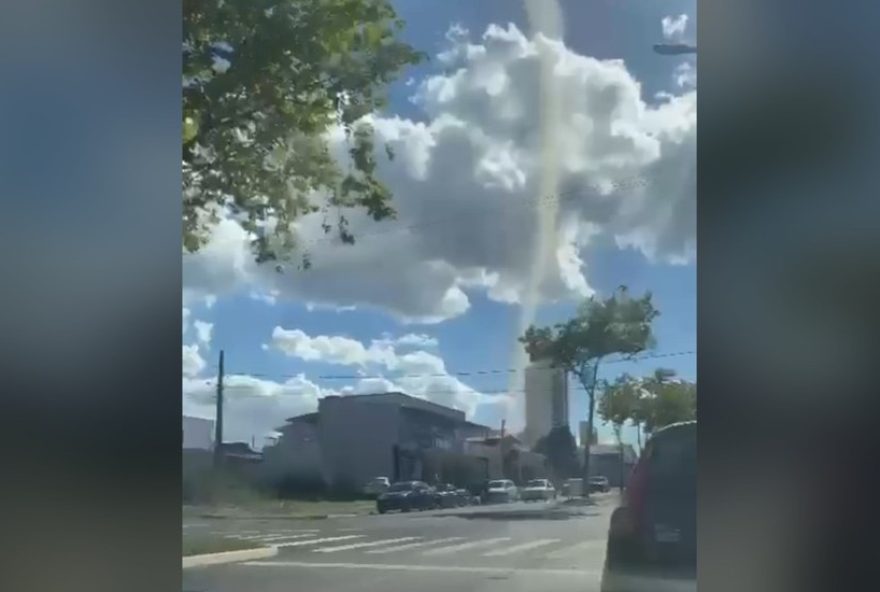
[[599, 484], [501, 491], [652, 539], [538, 489], [406, 496], [377, 486], [449, 496], [478, 492], [573, 487]]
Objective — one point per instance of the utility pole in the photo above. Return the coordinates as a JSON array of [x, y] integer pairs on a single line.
[[218, 424], [591, 400]]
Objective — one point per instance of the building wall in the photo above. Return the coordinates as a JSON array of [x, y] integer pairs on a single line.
[[296, 457], [609, 465], [357, 440], [546, 399], [490, 452], [198, 433]]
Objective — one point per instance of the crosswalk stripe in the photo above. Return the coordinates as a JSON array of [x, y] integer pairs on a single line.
[[287, 536], [319, 541], [595, 546], [363, 545], [519, 548], [464, 546], [268, 536], [414, 545], [281, 539]]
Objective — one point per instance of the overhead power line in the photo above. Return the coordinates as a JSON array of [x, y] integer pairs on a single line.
[[464, 373]]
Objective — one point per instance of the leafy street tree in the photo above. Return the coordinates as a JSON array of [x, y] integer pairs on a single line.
[[669, 400], [618, 404], [642, 412], [560, 449], [263, 83], [617, 325]]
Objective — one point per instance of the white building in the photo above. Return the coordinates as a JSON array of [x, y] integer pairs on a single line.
[[198, 433], [546, 399]]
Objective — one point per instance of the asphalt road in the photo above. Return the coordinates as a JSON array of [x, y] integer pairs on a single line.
[[414, 552]]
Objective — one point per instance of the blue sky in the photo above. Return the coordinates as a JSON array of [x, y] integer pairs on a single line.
[[480, 338]]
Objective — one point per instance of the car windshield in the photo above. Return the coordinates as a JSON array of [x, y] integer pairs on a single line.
[[404, 486], [536, 483], [497, 484]]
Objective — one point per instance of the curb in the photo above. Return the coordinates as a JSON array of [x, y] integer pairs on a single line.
[[228, 557], [271, 517]]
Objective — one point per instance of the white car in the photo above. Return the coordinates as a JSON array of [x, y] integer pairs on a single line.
[[573, 487], [377, 486], [502, 491], [538, 489]]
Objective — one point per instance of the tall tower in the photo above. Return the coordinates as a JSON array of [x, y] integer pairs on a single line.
[[546, 399]]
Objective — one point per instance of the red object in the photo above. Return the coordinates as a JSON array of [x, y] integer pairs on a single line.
[[627, 520]]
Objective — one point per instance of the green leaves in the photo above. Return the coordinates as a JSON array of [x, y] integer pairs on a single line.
[[620, 400], [652, 402], [560, 448], [290, 70], [618, 324]]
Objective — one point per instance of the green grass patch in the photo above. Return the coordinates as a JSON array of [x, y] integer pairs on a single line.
[[281, 508], [203, 545]]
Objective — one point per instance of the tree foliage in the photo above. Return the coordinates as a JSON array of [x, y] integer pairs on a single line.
[[263, 82], [617, 325], [560, 448], [650, 403], [668, 400], [620, 402]]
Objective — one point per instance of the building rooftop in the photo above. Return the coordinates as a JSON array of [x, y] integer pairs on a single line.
[[306, 417], [401, 399], [391, 398]]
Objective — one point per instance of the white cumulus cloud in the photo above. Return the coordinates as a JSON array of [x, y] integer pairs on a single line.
[[465, 186], [674, 26], [203, 331], [193, 363]]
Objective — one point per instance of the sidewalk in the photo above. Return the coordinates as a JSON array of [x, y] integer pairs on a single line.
[[557, 510], [281, 509]]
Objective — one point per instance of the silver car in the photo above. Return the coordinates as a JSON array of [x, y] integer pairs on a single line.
[[502, 491], [538, 490]]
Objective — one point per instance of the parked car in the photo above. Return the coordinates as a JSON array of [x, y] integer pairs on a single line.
[[573, 487], [599, 484], [406, 496], [449, 496], [501, 491], [377, 486], [652, 539], [538, 489], [478, 492]]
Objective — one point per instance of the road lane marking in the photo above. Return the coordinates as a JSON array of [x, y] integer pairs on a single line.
[[585, 547], [276, 537], [267, 536], [319, 541], [578, 573], [414, 545], [519, 548], [464, 546], [281, 539], [364, 545]]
